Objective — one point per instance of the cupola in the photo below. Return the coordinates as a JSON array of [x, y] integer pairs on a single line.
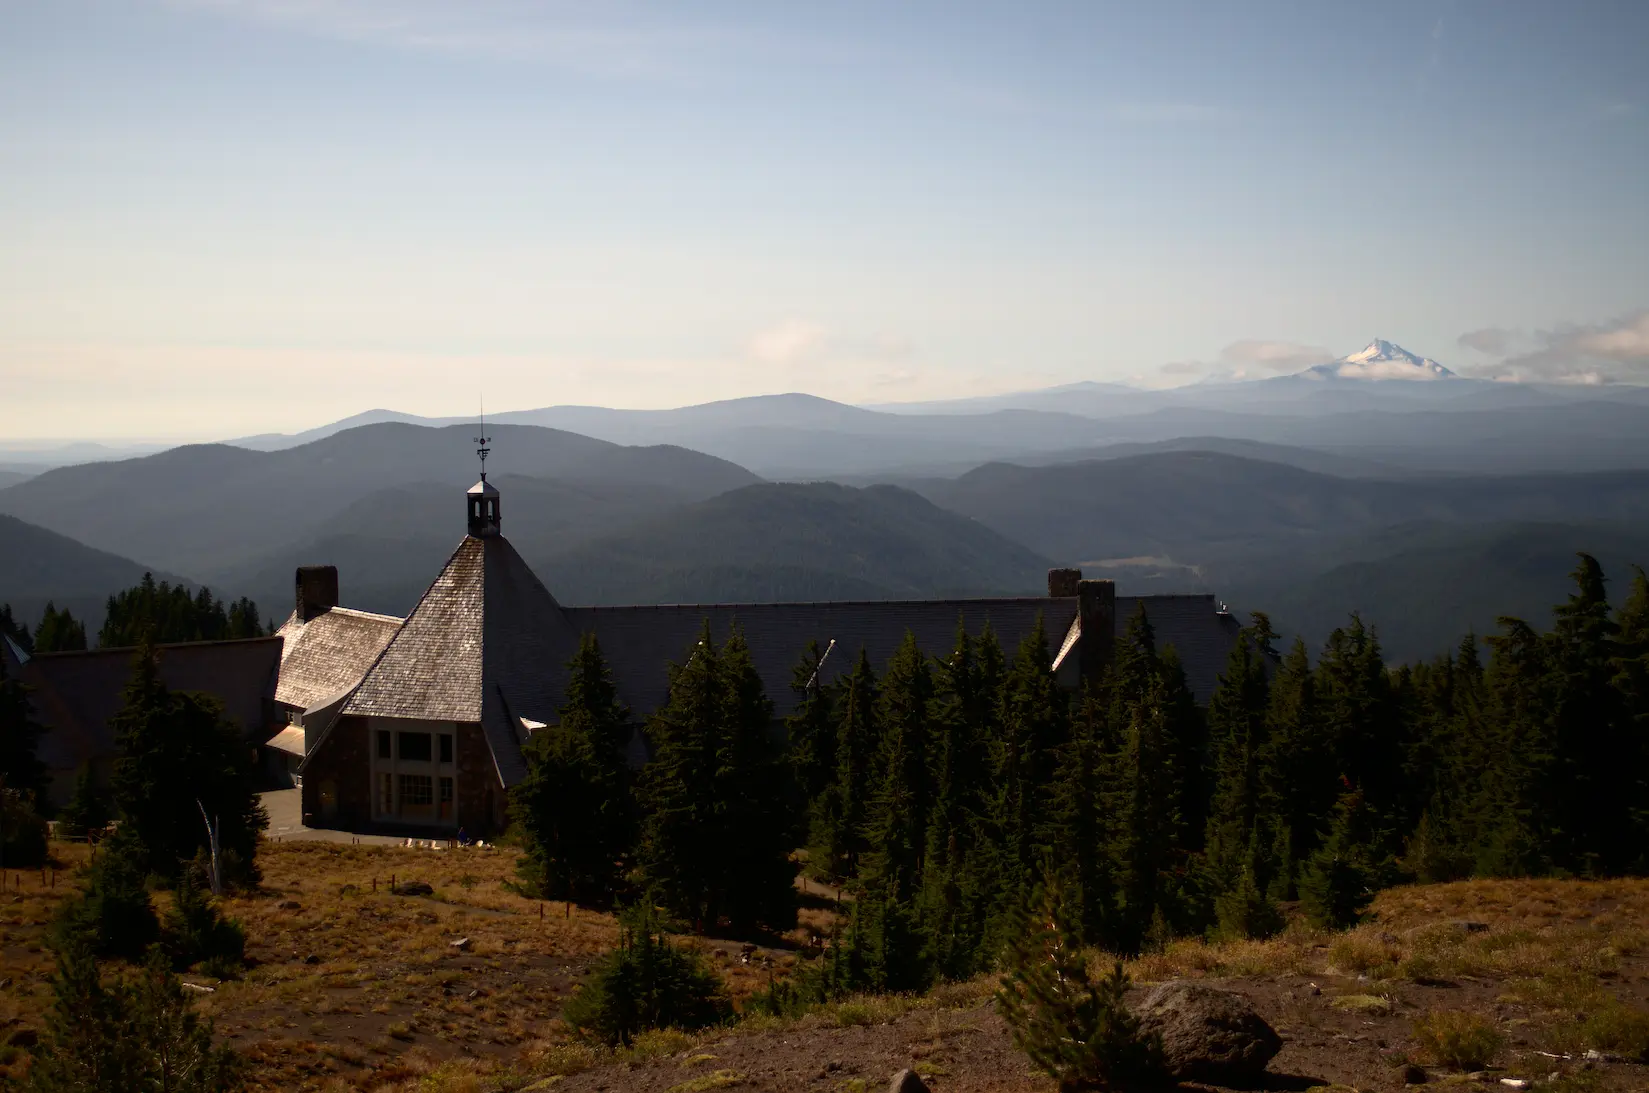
[[483, 508]]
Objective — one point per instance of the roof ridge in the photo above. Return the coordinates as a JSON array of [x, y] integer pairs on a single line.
[[162, 647]]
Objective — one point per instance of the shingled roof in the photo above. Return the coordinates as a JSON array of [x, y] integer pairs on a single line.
[[329, 653], [638, 642], [487, 642], [77, 693]]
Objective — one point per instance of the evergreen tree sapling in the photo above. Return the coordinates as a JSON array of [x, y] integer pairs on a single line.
[[646, 982], [1077, 1030]]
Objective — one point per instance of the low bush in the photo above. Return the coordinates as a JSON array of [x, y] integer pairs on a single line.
[[196, 933], [646, 983], [1458, 1038], [111, 915]]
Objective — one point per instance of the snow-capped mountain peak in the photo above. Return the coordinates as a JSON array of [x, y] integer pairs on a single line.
[[1380, 360]]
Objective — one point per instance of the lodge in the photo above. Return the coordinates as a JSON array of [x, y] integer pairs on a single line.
[[417, 725]]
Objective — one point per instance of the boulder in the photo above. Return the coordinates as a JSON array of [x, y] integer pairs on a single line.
[[413, 888], [1208, 1035], [907, 1081]]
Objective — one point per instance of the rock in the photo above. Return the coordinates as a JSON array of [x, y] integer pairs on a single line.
[[198, 988], [311, 959], [289, 905], [413, 888], [1515, 1083], [24, 1037], [1415, 1074], [462, 944], [907, 1081], [1208, 1035]]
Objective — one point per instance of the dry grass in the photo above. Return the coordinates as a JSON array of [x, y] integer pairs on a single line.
[[1459, 1039], [355, 989]]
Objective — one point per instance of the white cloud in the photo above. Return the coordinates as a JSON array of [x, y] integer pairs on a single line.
[[788, 343], [1616, 351], [1250, 358]]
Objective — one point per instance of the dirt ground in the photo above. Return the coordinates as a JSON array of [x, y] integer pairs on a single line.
[[352, 987]]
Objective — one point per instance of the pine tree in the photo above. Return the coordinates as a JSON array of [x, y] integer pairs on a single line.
[[1342, 875], [896, 821], [15, 629], [1592, 781], [645, 983], [758, 877], [838, 838], [198, 933], [1035, 725], [179, 754], [1631, 681], [1238, 726], [811, 732], [1299, 768], [161, 612], [1072, 830], [574, 809], [59, 631], [1077, 1030], [111, 915], [1511, 812], [86, 1046], [677, 855], [87, 810], [958, 876], [20, 767], [1360, 716]]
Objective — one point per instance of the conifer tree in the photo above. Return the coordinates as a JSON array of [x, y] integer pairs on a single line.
[[715, 838], [1592, 783], [21, 770], [1343, 873], [1035, 725], [896, 821], [1077, 1030], [87, 810], [1300, 771], [15, 629], [1238, 728], [811, 730], [838, 838], [1072, 830], [575, 810], [1631, 680], [59, 631], [958, 875], [1360, 716], [111, 915], [1511, 811], [177, 755], [758, 877], [677, 855]]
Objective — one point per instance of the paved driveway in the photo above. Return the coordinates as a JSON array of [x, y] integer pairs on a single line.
[[285, 808]]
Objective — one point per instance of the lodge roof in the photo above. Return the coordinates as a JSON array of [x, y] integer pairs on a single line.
[[329, 653], [76, 694], [486, 643], [638, 642]]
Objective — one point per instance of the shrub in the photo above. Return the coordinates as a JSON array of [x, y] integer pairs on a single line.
[[1458, 1039], [1618, 1029], [1076, 1029], [22, 831], [112, 915], [646, 983], [196, 933]]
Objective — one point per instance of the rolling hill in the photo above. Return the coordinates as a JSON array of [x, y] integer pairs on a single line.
[[37, 566], [212, 508], [1209, 508], [795, 542], [1424, 586]]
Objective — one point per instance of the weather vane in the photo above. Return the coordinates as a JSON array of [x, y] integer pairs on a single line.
[[483, 441]]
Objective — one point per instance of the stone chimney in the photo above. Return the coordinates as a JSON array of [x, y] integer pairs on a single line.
[[1062, 583], [1097, 607], [317, 590]]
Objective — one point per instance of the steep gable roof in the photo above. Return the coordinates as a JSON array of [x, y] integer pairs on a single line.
[[487, 643], [329, 653]]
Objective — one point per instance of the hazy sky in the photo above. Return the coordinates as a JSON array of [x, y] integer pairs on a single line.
[[225, 216]]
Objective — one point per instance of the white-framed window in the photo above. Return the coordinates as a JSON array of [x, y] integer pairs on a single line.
[[414, 771]]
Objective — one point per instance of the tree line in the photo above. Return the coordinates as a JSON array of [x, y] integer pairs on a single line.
[[157, 611], [937, 793]]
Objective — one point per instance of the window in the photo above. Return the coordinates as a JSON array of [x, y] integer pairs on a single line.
[[416, 789], [383, 743], [414, 747], [386, 798], [446, 791], [446, 747]]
